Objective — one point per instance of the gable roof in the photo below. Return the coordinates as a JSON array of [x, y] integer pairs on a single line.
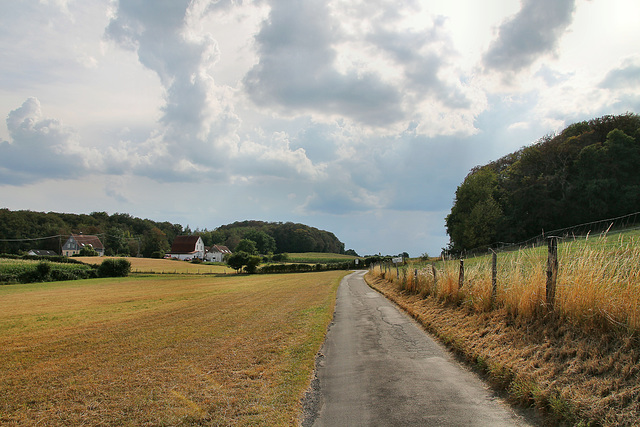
[[220, 248], [43, 252], [184, 244], [86, 239]]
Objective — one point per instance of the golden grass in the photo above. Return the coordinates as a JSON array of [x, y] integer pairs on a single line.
[[168, 350], [165, 266], [598, 282]]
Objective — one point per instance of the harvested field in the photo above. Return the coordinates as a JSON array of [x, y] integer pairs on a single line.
[[165, 266], [168, 350]]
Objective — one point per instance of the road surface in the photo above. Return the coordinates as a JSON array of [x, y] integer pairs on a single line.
[[378, 367]]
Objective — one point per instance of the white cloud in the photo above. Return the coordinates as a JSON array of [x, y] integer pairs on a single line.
[[351, 114]]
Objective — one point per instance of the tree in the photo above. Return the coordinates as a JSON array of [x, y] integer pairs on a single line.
[[238, 260], [115, 242], [248, 246], [154, 240], [88, 251], [265, 244]]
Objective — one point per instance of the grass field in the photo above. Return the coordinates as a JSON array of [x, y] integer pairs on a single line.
[[598, 283], [165, 266], [319, 257], [162, 350]]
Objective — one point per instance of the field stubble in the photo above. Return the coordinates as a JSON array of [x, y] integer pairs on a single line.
[[234, 350]]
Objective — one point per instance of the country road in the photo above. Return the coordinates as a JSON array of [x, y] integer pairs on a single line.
[[379, 368]]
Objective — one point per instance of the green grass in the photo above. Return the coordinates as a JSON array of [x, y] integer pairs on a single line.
[[162, 350], [25, 271], [319, 257]]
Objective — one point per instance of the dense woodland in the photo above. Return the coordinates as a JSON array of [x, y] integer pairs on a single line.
[[124, 234], [589, 172]]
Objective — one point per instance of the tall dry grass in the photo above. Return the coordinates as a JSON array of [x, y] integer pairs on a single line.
[[598, 282]]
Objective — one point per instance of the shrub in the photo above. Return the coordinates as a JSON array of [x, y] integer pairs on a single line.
[[43, 271], [114, 268], [281, 257], [88, 251], [157, 254]]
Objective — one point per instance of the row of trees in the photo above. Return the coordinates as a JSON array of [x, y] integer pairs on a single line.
[[274, 237], [123, 234], [586, 173]]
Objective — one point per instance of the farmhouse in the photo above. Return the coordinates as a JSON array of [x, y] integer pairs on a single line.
[[76, 242], [187, 248], [216, 253]]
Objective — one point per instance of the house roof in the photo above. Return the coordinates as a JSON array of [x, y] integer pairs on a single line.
[[43, 252], [86, 239], [220, 248], [184, 244]]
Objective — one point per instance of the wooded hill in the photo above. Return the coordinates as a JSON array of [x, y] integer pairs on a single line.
[[124, 234], [588, 172]]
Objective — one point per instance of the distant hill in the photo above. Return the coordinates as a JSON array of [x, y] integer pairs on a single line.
[[286, 237], [122, 233], [590, 171]]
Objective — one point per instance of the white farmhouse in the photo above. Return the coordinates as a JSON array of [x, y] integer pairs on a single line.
[[216, 253], [187, 248]]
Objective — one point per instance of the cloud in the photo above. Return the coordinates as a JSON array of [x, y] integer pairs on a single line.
[[533, 32], [626, 76], [40, 148], [296, 71]]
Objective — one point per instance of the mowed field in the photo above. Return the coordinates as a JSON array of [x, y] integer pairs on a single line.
[[163, 350], [165, 266]]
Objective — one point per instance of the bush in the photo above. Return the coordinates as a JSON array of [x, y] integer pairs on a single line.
[[114, 268], [88, 251], [157, 254], [281, 257], [43, 271]]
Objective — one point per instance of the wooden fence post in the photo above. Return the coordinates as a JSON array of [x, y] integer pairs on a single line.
[[494, 277], [552, 271], [433, 270], [461, 276]]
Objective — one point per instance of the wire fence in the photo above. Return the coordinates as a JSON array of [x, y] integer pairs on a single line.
[[608, 226]]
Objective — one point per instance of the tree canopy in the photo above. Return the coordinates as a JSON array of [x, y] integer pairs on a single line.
[[586, 173], [124, 234]]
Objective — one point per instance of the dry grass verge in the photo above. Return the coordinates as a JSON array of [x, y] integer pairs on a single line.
[[181, 350], [576, 376]]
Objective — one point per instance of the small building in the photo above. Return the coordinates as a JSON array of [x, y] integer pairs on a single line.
[[41, 252], [216, 253], [187, 248], [77, 242]]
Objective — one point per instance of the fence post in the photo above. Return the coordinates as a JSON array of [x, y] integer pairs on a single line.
[[552, 271], [433, 270], [494, 277], [461, 276]]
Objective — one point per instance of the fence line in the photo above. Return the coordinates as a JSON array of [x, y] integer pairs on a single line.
[[593, 286]]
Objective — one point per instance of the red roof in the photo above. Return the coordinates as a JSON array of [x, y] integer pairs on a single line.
[[85, 239], [220, 248], [184, 244]]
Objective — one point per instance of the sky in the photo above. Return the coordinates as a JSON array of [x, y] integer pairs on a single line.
[[360, 117]]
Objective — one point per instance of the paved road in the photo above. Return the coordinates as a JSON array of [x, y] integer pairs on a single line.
[[379, 368]]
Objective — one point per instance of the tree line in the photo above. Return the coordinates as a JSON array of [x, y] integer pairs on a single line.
[[587, 172], [123, 234]]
